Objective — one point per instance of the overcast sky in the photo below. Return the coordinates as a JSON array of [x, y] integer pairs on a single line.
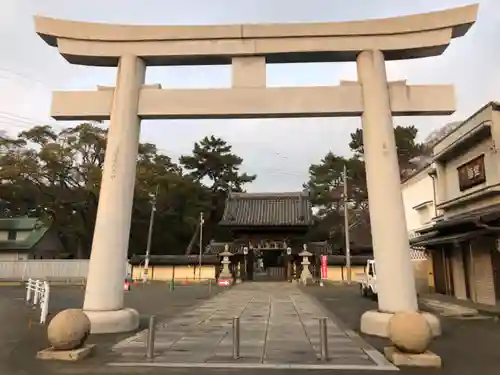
[[278, 151]]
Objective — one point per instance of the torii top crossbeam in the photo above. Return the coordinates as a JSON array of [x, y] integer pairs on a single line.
[[405, 37]]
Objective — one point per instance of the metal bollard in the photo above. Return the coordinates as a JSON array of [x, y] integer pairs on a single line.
[[323, 338], [28, 290], [236, 337], [36, 292], [209, 286], [151, 338]]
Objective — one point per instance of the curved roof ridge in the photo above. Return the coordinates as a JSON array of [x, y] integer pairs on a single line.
[[293, 194]]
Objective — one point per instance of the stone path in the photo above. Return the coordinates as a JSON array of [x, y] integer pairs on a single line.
[[449, 309], [279, 329]]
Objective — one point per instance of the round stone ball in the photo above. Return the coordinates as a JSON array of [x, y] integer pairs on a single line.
[[409, 332], [68, 330]]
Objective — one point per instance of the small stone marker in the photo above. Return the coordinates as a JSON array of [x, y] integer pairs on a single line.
[[398, 358], [411, 335], [67, 333], [66, 355]]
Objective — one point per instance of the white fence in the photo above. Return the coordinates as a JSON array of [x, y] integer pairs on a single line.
[[51, 270], [38, 293], [44, 269]]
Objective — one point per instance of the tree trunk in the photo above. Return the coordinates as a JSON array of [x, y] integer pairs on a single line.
[[80, 251], [193, 240]]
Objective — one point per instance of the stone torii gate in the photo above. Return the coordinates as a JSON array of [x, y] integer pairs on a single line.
[[248, 48]]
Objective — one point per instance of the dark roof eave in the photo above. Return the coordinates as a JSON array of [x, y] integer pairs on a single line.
[[20, 247], [253, 225], [292, 194], [456, 238], [472, 219], [475, 218], [430, 234]]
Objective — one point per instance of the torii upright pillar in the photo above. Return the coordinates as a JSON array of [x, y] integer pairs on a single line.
[[396, 288], [104, 293]]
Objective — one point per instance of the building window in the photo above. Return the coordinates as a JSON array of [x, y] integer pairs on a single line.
[[424, 215], [12, 235]]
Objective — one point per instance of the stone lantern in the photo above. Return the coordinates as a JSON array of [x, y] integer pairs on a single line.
[[238, 271], [225, 272], [290, 265], [305, 276]]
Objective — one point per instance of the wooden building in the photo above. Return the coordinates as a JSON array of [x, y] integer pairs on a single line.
[[268, 233], [23, 238], [264, 226], [463, 237]]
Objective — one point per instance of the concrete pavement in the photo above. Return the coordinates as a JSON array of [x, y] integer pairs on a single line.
[[466, 347], [279, 328], [22, 340]]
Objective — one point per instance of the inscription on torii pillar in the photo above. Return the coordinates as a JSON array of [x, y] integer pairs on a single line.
[[248, 48]]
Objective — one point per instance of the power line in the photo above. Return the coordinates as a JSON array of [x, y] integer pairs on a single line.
[[25, 123], [29, 119], [11, 74], [35, 122]]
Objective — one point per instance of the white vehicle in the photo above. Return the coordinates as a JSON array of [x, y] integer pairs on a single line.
[[368, 283]]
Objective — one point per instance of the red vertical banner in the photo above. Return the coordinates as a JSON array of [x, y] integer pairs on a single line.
[[324, 267]]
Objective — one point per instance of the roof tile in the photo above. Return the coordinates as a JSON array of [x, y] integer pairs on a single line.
[[36, 228], [267, 209]]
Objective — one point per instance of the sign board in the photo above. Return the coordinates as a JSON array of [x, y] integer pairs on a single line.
[[224, 282], [471, 173], [289, 251], [245, 250], [324, 267]]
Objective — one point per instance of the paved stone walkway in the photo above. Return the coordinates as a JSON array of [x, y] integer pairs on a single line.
[[279, 328], [449, 309]]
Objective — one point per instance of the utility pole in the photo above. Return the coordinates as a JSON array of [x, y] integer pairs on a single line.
[[346, 229], [202, 221], [150, 236]]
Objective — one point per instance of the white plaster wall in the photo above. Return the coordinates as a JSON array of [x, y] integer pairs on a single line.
[[448, 182], [417, 190], [14, 269], [11, 256], [21, 235]]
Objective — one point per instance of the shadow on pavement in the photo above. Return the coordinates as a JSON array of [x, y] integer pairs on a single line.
[[22, 340], [466, 346]]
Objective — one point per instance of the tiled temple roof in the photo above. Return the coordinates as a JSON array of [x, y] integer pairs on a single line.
[[267, 209]]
